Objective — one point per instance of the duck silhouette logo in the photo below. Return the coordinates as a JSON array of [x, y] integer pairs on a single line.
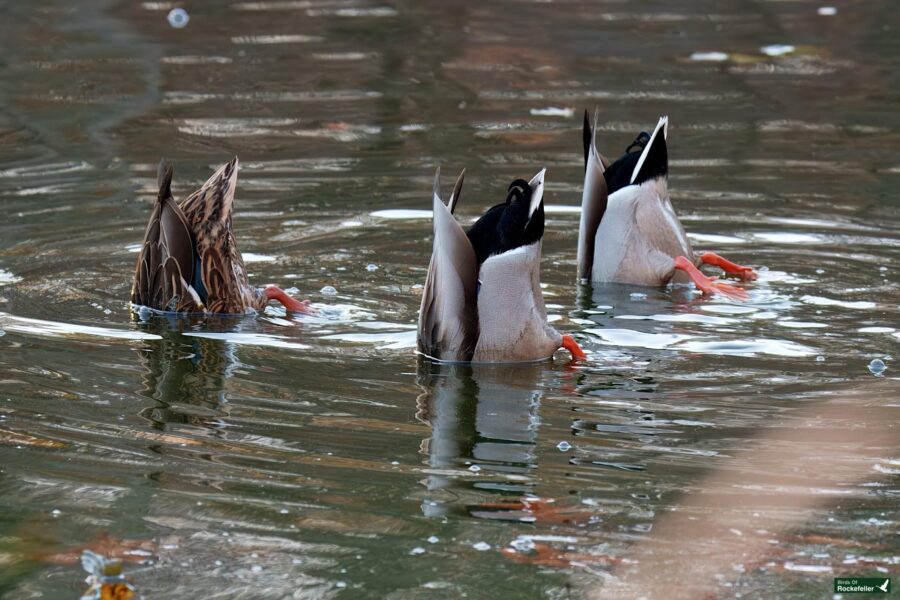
[[884, 586]]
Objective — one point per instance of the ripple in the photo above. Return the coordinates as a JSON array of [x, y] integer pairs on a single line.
[[753, 347], [250, 339], [196, 60], [711, 238], [681, 318], [822, 301], [401, 214], [6, 277], [397, 340], [627, 337], [57, 329], [780, 237], [276, 39]]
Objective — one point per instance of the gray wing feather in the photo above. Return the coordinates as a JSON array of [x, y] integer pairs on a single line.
[[448, 326], [594, 199]]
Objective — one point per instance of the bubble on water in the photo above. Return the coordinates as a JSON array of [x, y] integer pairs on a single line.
[[55, 512], [433, 539], [820, 271], [820, 358], [474, 468], [328, 291], [563, 446], [218, 563], [638, 296], [417, 550], [178, 18], [827, 11], [340, 584], [481, 546], [522, 544], [371, 267], [284, 511], [877, 367]]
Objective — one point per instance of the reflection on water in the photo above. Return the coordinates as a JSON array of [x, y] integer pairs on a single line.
[[483, 418], [283, 456], [186, 375]]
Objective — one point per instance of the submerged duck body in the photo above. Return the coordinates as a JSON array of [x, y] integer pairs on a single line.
[[629, 232], [190, 262], [482, 300]]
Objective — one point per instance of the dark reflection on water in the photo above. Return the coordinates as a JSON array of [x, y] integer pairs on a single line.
[[312, 457], [483, 418], [187, 376]]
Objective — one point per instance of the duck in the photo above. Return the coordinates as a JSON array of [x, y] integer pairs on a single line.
[[629, 232], [482, 299], [190, 262]]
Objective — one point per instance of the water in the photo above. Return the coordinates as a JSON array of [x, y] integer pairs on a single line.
[[314, 457]]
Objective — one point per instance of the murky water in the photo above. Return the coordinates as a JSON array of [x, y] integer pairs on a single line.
[[315, 457]]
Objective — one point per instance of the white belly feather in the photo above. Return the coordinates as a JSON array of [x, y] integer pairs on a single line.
[[639, 236]]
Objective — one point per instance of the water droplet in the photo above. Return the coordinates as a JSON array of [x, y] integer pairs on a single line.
[[522, 544], [433, 539], [371, 267], [328, 291], [178, 18], [563, 446], [877, 367], [481, 546], [417, 550]]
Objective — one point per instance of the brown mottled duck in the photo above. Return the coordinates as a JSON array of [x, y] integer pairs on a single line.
[[190, 262]]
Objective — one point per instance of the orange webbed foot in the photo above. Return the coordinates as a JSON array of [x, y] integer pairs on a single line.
[[709, 285], [569, 343], [742, 272], [290, 304]]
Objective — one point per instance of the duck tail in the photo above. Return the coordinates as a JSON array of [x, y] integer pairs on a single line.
[[164, 179]]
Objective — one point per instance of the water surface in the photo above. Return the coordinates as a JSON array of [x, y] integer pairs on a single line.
[[317, 457]]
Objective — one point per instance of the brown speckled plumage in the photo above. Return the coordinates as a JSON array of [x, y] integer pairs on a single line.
[[181, 236]]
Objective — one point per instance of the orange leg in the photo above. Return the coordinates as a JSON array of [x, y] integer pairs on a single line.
[[709, 285], [289, 303], [569, 343], [711, 258]]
